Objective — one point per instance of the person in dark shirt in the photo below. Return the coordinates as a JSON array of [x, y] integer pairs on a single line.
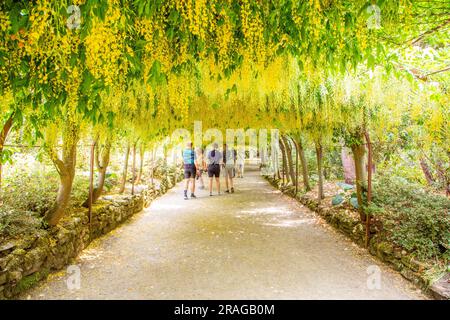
[[214, 161]]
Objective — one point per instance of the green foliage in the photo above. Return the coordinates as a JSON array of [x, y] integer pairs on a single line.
[[346, 196], [403, 164], [28, 192], [413, 218], [332, 164], [110, 181], [337, 199], [80, 190], [354, 202], [345, 186], [29, 281], [36, 192], [14, 222], [162, 170], [6, 156]]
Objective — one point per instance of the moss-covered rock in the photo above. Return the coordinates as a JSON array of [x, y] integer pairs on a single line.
[[32, 258], [3, 278], [349, 223]]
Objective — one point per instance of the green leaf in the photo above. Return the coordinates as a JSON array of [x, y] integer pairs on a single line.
[[371, 62], [354, 203], [345, 186], [337, 199]]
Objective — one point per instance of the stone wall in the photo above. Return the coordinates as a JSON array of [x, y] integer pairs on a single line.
[[348, 222], [25, 262]]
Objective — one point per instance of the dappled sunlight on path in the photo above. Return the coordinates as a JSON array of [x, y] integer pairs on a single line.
[[253, 244]]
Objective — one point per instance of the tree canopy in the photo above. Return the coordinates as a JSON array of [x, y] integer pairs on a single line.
[[138, 69]]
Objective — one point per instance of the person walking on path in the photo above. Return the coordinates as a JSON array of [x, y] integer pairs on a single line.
[[200, 164], [228, 165], [189, 159], [240, 160], [214, 160]]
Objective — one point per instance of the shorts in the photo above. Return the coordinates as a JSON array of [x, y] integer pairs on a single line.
[[229, 170], [189, 171], [214, 170]]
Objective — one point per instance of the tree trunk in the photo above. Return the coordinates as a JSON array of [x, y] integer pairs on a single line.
[[319, 155], [442, 176], [358, 155], [141, 164], [66, 171], [276, 164], [426, 171], [284, 161], [153, 171], [3, 135], [296, 166], [369, 184], [304, 165], [133, 170], [152, 174], [125, 170], [447, 191], [290, 164], [102, 165]]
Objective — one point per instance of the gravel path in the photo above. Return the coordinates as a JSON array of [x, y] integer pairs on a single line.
[[254, 244]]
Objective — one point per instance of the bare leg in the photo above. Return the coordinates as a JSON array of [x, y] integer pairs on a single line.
[[230, 175], [217, 184], [226, 178], [230, 179], [193, 185], [200, 179], [210, 184]]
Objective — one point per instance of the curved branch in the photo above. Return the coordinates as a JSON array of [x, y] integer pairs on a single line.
[[421, 36]]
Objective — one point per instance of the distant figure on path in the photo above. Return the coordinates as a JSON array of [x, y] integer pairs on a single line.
[[189, 158], [214, 161], [200, 164], [228, 165], [240, 160]]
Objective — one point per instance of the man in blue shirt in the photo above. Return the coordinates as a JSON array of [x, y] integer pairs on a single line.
[[189, 158]]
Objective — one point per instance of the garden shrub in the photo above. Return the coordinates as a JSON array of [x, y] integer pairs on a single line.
[[36, 191], [417, 220], [14, 222]]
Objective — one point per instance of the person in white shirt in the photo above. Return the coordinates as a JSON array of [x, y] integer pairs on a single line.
[[240, 160], [228, 165], [200, 164]]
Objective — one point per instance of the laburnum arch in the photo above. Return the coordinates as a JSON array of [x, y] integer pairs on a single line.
[[135, 70]]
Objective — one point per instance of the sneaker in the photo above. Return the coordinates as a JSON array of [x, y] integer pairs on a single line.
[[232, 190], [210, 194], [193, 195], [186, 197], [228, 191]]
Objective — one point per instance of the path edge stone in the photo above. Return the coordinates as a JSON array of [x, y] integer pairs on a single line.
[[396, 258], [29, 261]]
